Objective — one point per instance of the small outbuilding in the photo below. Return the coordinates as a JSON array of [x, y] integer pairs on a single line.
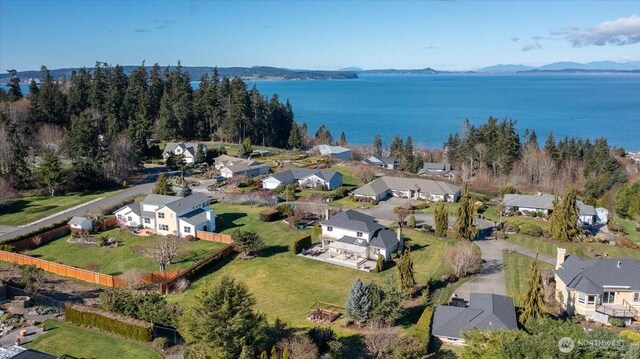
[[81, 223]]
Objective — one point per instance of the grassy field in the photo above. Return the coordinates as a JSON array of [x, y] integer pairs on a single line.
[[62, 338], [629, 227], [117, 260], [516, 268], [29, 209], [585, 250], [285, 285]]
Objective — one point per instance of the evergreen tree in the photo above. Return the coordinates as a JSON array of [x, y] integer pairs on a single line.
[[222, 319], [162, 186], [17, 169], [87, 149], [14, 93], [285, 354], [377, 145], [405, 271], [79, 89], [533, 299], [49, 105], [442, 220], [201, 153], [99, 86], [389, 309], [135, 111], [550, 147], [358, 306], [408, 161], [295, 140], [396, 148], [115, 118], [464, 221], [532, 140], [343, 139], [564, 219], [323, 135], [167, 128], [274, 353], [50, 172], [156, 89]]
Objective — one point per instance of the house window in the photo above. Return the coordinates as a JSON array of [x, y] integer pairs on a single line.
[[358, 234], [591, 299], [329, 228], [187, 229], [129, 218], [163, 227], [120, 216], [609, 297], [147, 220], [581, 298], [160, 215], [636, 297]]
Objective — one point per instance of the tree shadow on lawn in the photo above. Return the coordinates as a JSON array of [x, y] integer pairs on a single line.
[[352, 346], [411, 316], [273, 250], [22, 206], [228, 219], [223, 262]]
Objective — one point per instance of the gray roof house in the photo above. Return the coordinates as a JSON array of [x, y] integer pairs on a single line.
[[544, 203], [230, 167], [434, 168], [187, 149], [339, 152], [355, 238], [599, 288], [382, 162], [418, 188], [485, 312], [305, 177]]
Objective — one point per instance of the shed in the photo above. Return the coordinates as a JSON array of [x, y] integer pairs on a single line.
[[81, 223]]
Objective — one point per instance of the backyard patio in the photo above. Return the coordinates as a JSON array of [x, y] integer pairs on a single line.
[[346, 258]]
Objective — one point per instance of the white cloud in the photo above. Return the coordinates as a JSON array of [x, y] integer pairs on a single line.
[[622, 31], [535, 46], [515, 39]]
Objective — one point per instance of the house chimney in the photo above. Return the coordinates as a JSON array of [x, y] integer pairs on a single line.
[[560, 257], [399, 233], [326, 213], [619, 264]]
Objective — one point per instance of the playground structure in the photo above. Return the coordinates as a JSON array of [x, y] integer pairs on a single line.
[[324, 313]]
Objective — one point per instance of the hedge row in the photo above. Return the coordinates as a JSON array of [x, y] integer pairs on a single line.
[[301, 244], [423, 327], [109, 322], [269, 215], [37, 232]]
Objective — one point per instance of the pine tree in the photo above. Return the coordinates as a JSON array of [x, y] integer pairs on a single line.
[[116, 121], [533, 299], [323, 135], [295, 140], [408, 157], [17, 169], [464, 221], [564, 219], [99, 86], [550, 147], [167, 122], [377, 145], [50, 172], [343, 139], [396, 148], [14, 93], [442, 220], [358, 306], [405, 271], [50, 103], [162, 186], [79, 90]]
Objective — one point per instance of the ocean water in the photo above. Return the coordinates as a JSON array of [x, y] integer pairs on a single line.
[[429, 108]]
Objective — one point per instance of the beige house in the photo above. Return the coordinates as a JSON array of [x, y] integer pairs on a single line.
[[418, 188], [230, 167], [599, 289]]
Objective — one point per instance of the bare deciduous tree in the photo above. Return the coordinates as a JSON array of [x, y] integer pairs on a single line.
[[123, 159], [464, 257], [134, 277], [364, 174], [300, 347], [8, 194], [49, 138], [380, 341], [165, 250]]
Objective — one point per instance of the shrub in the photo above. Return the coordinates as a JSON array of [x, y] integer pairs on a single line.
[[321, 337], [269, 215], [616, 322], [7, 247], [285, 209], [301, 244], [427, 227], [531, 229], [373, 202], [614, 227], [511, 227], [393, 225], [534, 214], [109, 322], [379, 264], [631, 335], [159, 343], [190, 238], [423, 327], [625, 242], [508, 189], [411, 221]]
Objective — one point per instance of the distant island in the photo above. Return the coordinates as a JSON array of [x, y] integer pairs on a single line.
[[196, 72]]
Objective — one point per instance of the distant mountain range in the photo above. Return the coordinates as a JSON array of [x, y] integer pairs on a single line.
[[568, 67], [196, 72]]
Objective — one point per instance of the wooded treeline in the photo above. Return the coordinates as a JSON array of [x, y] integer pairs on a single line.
[[495, 151], [103, 120]]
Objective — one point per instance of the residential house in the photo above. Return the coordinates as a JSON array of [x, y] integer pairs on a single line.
[[544, 203], [186, 149], [19, 352], [417, 188], [600, 288], [230, 167], [382, 162], [170, 214], [484, 311], [355, 236], [338, 152], [304, 177], [436, 169], [81, 224]]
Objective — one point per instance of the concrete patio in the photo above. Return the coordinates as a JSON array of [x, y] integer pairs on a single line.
[[317, 253]]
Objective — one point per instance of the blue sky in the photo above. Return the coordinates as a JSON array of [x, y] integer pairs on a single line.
[[456, 35]]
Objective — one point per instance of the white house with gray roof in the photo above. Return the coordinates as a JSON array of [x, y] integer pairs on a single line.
[[382, 162], [230, 167], [417, 188], [544, 203], [356, 236], [186, 149], [304, 177], [182, 216], [434, 168], [484, 311], [598, 288], [338, 152]]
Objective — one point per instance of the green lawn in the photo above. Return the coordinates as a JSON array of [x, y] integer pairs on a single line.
[[516, 268], [117, 260], [629, 227], [62, 338], [285, 285], [29, 209], [585, 250]]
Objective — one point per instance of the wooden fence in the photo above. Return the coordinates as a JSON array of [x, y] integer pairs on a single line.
[[40, 239], [191, 272], [214, 237]]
